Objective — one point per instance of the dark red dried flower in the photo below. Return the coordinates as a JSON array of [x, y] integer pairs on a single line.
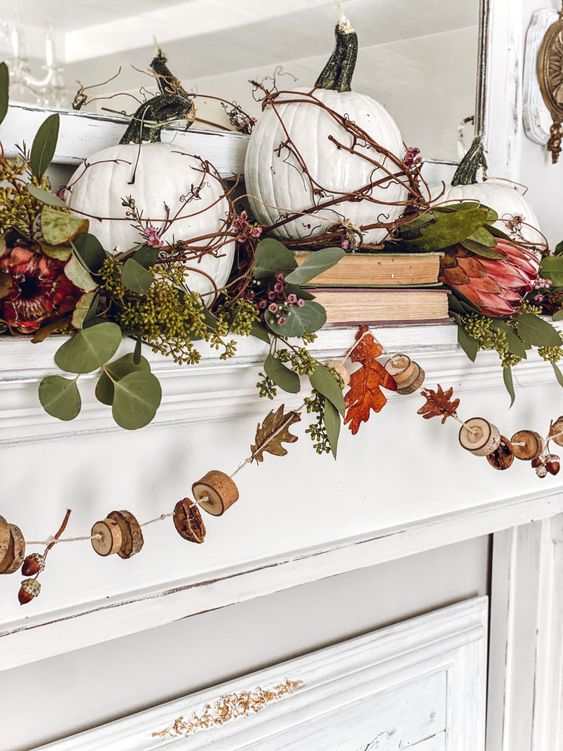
[[35, 288]]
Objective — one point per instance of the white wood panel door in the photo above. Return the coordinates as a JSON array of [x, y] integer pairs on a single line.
[[417, 685]]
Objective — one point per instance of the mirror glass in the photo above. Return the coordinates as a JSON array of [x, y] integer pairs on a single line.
[[420, 59]]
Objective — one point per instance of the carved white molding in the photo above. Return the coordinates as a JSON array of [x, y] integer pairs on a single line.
[[526, 646], [216, 389], [418, 685], [537, 120]]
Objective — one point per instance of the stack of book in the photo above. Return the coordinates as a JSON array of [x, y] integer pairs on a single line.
[[369, 288]]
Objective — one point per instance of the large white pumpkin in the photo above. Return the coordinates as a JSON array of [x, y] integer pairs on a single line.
[[501, 195], [163, 175], [274, 180]]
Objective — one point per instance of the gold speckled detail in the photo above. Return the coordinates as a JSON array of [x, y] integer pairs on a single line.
[[229, 707]]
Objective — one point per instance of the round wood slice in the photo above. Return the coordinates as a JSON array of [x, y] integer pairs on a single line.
[[188, 521], [4, 539], [413, 383], [16, 551], [502, 457], [397, 365], [215, 492], [131, 532], [110, 537], [557, 427], [479, 436], [526, 445]]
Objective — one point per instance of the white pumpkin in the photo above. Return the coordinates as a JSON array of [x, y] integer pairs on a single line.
[[501, 195], [163, 174], [274, 181]]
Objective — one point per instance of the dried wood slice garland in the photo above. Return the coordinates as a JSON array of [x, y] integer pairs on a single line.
[[188, 521], [215, 492], [407, 373], [479, 436], [4, 539], [106, 537], [503, 456], [526, 445], [555, 429], [15, 554], [131, 532]]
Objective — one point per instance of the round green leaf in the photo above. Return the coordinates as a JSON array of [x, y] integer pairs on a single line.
[[60, 397], [317, 262], [281, 375], [136, 400], [89, 251], [89, 348], [272, 256], [78, 275], [309, 318], [118, 369], [135, 277], [59, 227]]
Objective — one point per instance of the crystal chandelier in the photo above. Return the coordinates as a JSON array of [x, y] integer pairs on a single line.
[[48, 91]]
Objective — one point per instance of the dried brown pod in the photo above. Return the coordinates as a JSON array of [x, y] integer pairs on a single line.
[[131, 532], [503, 456], [438, 403], [188, 521], [479, 436], [215, 492], [527, 445], [16, 551]]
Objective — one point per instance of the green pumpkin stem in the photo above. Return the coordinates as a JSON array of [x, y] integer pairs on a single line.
[[337, 73], [173, 103], [472, 162]]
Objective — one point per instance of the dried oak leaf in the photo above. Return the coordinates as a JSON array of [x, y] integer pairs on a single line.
[[438, 404], [365, 392], [272, 433]]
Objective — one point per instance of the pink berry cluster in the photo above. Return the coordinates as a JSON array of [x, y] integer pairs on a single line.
[[277, 300], [245, 229], [412, 158]]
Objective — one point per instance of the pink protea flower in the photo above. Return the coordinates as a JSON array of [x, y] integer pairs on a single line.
[[35, 287], [496, 287]]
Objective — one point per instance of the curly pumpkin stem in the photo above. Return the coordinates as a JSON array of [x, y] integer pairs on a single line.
[[472, 162], [337, 73], [173, 103]]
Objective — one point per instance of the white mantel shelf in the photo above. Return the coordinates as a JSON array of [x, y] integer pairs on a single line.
[[402, 486], [217, 389]]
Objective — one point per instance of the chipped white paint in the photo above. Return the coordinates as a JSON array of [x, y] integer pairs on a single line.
[[537, 120], [418, 685]]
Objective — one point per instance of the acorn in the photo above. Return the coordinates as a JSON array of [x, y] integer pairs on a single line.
[[552, 464], [30, 588], [33, 564]]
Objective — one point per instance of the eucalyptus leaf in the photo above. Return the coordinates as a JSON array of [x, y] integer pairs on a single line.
[[332, 425], [515, 345], [307, 319], [46, 196], [136, 400], [260, 332], [146, 255], [295, 289], [496, 232], [281, 375], [60, 397], [4, 90], [558, 373], [82, 309], [469, 345], [272, 257], [43, 147], [552, 269], [558, 316], [89, 251], [60, 227], [89, 348], [118, 369], [536, 331], [137, 351], [449, 228], [481, 250], [61, 252], [558, 249], [78, 275], [317, 262], [483, 237], [136, 277], [509, 382], [323, 381]]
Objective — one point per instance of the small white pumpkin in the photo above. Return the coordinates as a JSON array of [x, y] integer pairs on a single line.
[[274, 180], [156, 175], [502, 196]]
